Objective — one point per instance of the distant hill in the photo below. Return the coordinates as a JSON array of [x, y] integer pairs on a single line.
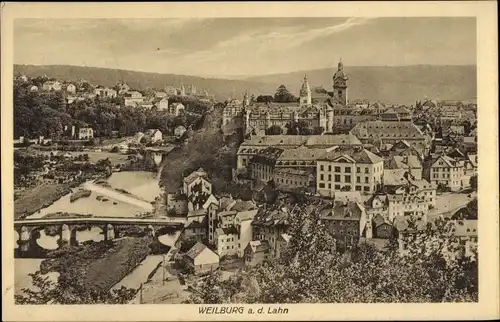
[[400, 84], [403, 84]]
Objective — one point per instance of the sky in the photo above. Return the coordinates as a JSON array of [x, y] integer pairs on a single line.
[[227, 47]]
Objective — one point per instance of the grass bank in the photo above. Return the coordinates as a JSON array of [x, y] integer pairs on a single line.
[[98, 266], [37, 198]]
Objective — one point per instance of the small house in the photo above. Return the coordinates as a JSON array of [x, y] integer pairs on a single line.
[[155, 135], [201, 259], [256, 252], [71, 89]]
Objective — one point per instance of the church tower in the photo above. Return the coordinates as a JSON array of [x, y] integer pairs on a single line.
[[246, 100], [305, 93], [340, 85]]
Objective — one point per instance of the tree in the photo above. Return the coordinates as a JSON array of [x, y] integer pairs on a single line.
[[264, 99], [274, 130], [473, 182], [282, 95], [310, 270], [318, 130], [70, 292], [298, 128], [187, 244]]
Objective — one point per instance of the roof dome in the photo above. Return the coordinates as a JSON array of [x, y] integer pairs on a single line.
[[305, 90], [340, 71]]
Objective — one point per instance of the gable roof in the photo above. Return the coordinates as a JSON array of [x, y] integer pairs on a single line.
[[258, 246], [356, 154], [387, 129], [342, 211], [200, 173], [196, 250]]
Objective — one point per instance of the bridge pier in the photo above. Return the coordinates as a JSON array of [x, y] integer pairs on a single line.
[[109, 232], [65, 235], [150, 230], [24, 239]]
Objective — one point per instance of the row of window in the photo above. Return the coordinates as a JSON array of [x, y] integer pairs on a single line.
[[322, 185], [329, 168], [347, 179], [293, 182]]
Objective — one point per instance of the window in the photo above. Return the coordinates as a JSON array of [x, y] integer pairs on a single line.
[[321, 185], [337, 187], [366, 189], [329, 186], [366, 179], [358, 188], [337, 169], [337, 178], [329, 177], [366, 170], [358, 179], [347, 178], [358, 170], [321, 168], [329, 168], [321, 177], [347, 169]]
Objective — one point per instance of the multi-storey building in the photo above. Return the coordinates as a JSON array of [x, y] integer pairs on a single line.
[[250, 147], [270, 226], [391, 132], [448, 172], [351, 169], [85, 133], [346, 222]]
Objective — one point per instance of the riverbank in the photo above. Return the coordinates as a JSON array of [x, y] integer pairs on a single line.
[[98, 266], [39, 197]]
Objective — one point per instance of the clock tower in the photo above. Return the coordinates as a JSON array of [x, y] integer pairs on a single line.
[[340, 85]]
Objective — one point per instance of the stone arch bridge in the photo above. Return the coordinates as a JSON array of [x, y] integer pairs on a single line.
[[67, 228]]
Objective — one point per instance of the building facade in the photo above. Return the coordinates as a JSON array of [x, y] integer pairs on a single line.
[[349, 169]]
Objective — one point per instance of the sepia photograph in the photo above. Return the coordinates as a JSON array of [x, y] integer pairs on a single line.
[[246, 160]]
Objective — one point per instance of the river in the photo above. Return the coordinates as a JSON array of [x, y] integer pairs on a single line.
[[141, 184], [144, 185]]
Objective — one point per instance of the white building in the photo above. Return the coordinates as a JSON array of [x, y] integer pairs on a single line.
[[162, 105], [52, 85], [155, 135], [349, 169], [71, 89], [133, 98], [447, 171], [85, 133], [201, 259]]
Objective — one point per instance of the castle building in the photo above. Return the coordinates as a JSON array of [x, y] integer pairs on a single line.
[[316, 112]]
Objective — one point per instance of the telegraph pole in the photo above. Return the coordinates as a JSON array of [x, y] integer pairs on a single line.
[[163, 268]]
